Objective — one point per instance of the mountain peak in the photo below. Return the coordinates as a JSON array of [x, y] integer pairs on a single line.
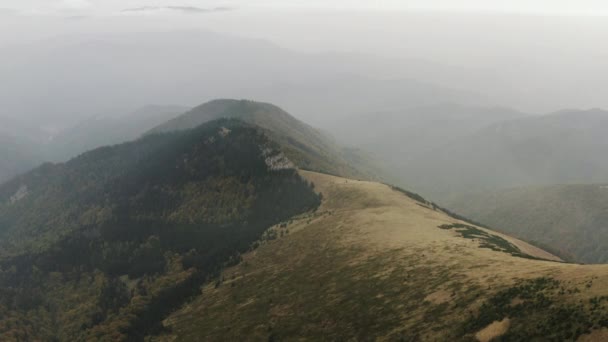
[[304, 145], [259, 113]]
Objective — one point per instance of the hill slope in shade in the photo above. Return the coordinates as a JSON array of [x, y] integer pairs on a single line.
[[308, 147], [104, 246], [572, 219], [560, 148], [372, 263]]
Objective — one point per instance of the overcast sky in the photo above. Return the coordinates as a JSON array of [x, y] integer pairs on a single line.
[[550, 54], [113, 7]]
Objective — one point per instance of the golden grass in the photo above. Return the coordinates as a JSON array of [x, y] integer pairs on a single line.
[[492, 331], [371, 263]]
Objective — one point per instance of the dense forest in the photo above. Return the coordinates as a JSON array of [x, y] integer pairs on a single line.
[[104, 246]]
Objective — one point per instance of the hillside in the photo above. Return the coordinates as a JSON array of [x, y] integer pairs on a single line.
[[572, 219], [108, 130], [561, 148], [25, 144], [400, 137], [308, 147], [212, 233], [374, 264], [104, 246]]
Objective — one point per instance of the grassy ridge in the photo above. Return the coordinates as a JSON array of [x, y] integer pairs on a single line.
[[372, 265]]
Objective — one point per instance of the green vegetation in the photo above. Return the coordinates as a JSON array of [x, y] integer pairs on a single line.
[[540, 310], [418, 198], [487, 240], [568, 220], [279, 295], [104, 246]]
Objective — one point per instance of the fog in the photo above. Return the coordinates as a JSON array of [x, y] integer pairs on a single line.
[[532, 61], [389, 78]]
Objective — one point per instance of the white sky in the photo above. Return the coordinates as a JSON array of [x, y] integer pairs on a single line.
[[112, 7], [560, 58]]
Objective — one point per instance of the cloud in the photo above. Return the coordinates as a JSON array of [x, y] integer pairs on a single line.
[[183, 9]]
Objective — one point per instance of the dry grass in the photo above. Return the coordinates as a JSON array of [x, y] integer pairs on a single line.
[[370, 264], [494, 330], [595, 336]]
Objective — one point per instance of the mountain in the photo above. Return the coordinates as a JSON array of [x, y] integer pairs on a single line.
[[560, 148], [108, 130], [77, 76], [17, 155], [213, 233], [374, 263], [26, 144], [399, 137], [19, 147], [105, 245], [571, 219], [308, 147], [330, 97]]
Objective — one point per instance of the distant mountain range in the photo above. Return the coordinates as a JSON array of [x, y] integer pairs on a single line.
[[444, 156], [18, 155], [401, 136], [571, 220], [25, 145], [108, 130], [184, 67]]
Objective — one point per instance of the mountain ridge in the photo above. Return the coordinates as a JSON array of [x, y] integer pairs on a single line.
[[103, 246], [387, 267], [320, 152], [207, 227]]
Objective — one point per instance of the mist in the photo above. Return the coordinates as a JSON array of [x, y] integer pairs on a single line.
[[373, 77], [276, 170], [533, 63]]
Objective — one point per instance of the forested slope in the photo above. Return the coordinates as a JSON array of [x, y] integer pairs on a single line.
[[105, 245]]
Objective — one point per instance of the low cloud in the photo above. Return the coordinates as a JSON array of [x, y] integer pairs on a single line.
[[183, 9]]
